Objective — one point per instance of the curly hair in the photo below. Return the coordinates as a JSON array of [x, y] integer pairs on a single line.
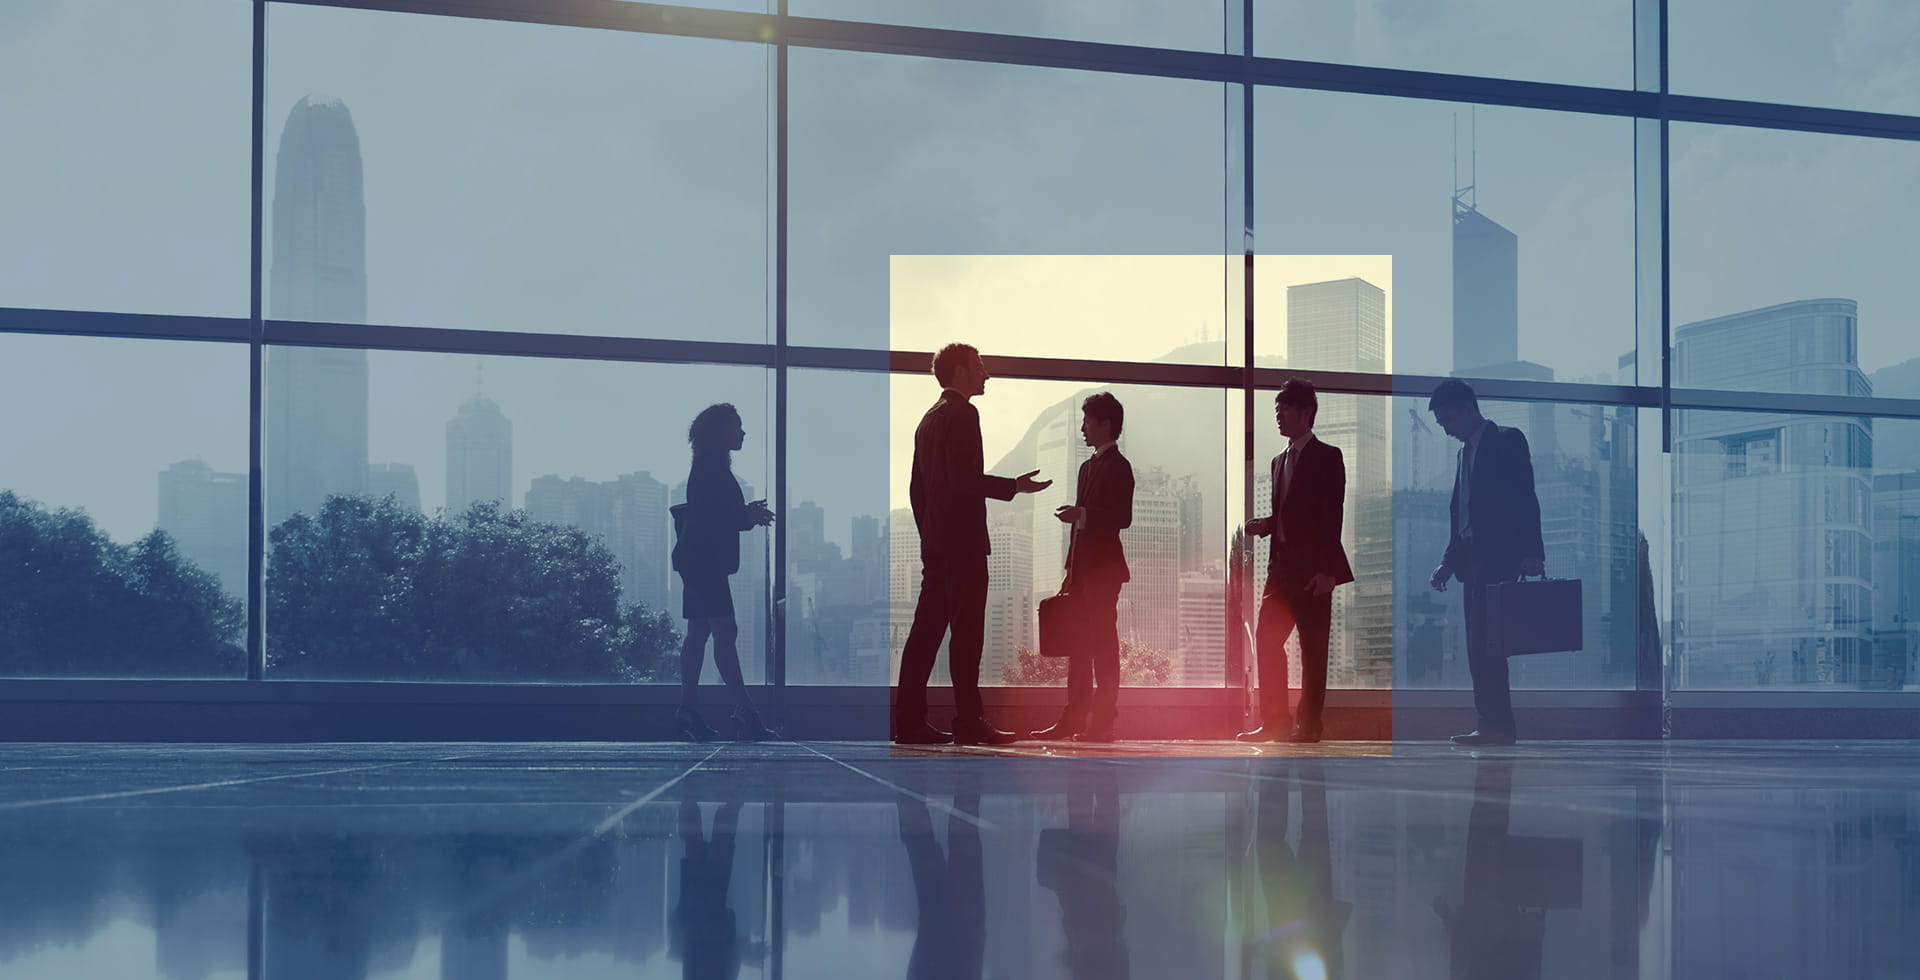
[[712, 427]]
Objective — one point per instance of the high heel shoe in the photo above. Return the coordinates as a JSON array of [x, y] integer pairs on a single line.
[[691, 727], [747, 727]]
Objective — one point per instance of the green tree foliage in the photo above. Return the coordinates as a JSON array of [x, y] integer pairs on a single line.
[[1141, 665], [370, 589], [73, 603]]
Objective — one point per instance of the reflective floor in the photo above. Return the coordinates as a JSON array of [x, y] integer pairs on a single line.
[[836, 860]]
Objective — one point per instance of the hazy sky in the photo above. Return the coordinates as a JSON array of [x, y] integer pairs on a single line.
[[533, 178]]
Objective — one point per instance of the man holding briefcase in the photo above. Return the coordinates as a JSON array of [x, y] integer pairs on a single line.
[[1495, 519], [1096, 569]]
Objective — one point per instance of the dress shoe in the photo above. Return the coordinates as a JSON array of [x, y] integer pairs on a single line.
[[1265, 733], [975, 731], [1067, 727], [1483, 738], [1096, 734], [1303, 734], [920, 733]]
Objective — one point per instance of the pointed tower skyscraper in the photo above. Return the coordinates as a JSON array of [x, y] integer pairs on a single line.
[[316, 414]]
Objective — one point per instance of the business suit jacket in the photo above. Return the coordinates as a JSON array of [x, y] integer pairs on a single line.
[[1105, 489], [707, 527], [1310, 519], [950, 487], [1505, 517]]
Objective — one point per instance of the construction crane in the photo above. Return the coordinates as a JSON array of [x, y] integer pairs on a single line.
[[1419, 429]]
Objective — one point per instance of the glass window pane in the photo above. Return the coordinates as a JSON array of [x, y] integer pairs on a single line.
[[895, 160], [515, 177], [1569, 41], [126, 164], [1171, 613], [1531, 277], [439, 517], [1801, 52], [1154, 23], [1793, 540], [839, 623], [124, 513], [1793, 292], [1585, 475]]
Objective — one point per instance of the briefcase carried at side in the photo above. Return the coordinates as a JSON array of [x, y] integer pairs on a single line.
[[1059, 624], [1533, 616]]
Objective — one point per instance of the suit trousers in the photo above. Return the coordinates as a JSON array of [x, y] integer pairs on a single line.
[[1093, 674], [1282, 610], [953, 595], [1492, 693]]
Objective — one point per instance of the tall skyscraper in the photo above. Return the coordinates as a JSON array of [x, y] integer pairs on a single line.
[[1010, 591], [1150, 602], [479, 456], [627, 514], [1486, 291], [316, 410], [1341, 326], [206, 514], [1773, 513], [1203, 628], [397, 479]]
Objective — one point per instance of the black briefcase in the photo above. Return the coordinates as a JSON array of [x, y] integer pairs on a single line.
[[1059, 624], [1533, 616]]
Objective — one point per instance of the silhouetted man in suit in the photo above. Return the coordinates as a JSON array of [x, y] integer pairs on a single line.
[[1304, 564], [949, 491], [1096, 569], [1495, 538]]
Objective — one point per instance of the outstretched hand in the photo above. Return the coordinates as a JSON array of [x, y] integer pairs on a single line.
[[1025, 483], [758, 511]]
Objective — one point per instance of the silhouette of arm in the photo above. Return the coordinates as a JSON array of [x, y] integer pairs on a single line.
[[1111, 507], [1526, 503], [967, 465], [1329, 509]]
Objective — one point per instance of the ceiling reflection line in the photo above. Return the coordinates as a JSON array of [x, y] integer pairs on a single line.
[[950, 811], [514, 882], [217, 784]]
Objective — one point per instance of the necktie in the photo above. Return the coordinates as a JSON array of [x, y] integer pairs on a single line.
[[1280, 499]]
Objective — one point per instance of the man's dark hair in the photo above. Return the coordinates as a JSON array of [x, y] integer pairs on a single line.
[[949, 358], [711, 427], [1453, 393], [1107, 408], [1299, 393]]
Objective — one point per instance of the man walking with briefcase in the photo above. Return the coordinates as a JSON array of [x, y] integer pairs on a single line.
[[1495, 519]]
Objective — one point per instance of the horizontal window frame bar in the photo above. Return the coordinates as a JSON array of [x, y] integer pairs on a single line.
[[502, 343], [1208, 66], [445, 340], [130, 326]]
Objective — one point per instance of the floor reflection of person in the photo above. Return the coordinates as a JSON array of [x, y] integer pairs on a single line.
[[1081, 864], [1496, 932], [949, 890], [704, 931], [1304, 922]]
